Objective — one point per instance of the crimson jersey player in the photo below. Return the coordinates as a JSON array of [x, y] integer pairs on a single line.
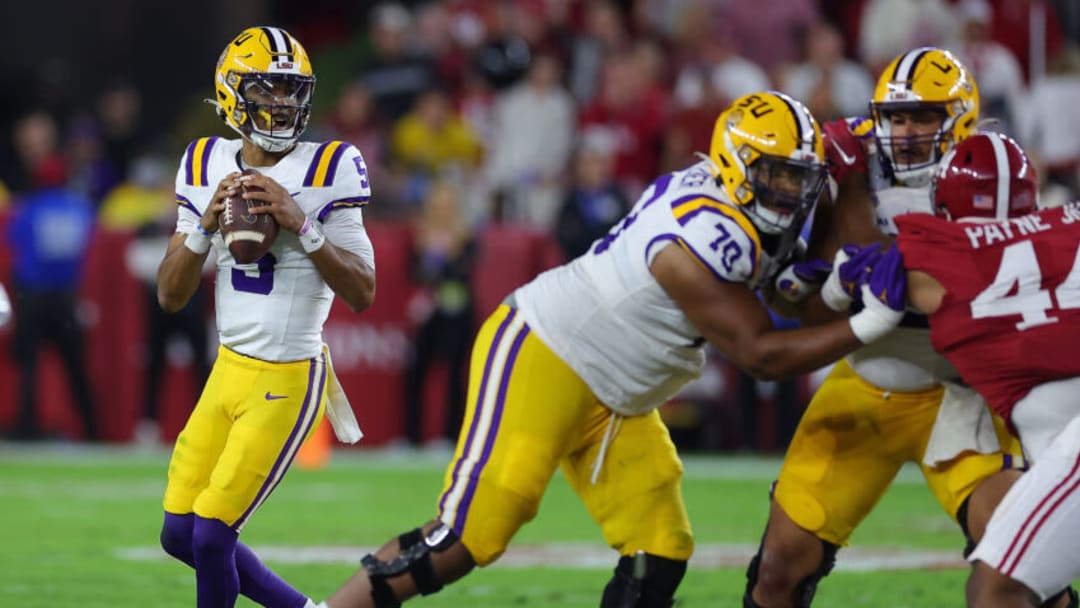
[[1001, 284]]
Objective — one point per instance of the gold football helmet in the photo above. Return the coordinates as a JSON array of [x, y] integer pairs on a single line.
[[924, 79], [263, 87], [769, 157]]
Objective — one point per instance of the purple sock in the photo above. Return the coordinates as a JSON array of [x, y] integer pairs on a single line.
[[261, 584], [257, 582], [176, 537], [216, 579]]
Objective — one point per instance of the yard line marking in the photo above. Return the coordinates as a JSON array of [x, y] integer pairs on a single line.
[[596, 556]]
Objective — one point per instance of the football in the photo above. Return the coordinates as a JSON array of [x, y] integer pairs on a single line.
[[247, 235]]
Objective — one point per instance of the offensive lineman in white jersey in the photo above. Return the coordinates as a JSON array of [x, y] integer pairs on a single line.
[[896, 400], [269, 385], [569, 371]]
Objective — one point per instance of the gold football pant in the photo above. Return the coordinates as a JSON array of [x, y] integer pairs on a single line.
[[852, 441], [243, 434], [529, 413]]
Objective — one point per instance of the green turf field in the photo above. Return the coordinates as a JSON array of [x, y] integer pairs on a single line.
[[80, 529]]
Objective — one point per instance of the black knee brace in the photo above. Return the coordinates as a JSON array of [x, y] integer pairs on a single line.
[[961, 518], [643, 581], [1069, 592], [414, 559], [805, 590]]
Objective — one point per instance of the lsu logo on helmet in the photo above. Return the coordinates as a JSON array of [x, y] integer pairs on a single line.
[[263, 87], [769, 157]]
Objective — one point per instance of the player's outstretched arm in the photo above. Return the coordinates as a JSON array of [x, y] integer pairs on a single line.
[[731, 317], [181, 270]]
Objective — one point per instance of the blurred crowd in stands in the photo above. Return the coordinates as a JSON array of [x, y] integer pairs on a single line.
[[547, 114]]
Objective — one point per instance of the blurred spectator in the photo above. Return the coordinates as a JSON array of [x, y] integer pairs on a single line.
[[604, 33], [91, 172], [354, 120], [49, 236], [711, 63], [146, 204], [1050, 122], [143, 198], [830, 85], [119, 113], [891, 27], [533, 130], [444, 257], [1013, 24], [996, 70], [773, 41], [35, 137], [431, 141], [595, 202], [503, 61], [395, 74], [634, 115], [690, 128]]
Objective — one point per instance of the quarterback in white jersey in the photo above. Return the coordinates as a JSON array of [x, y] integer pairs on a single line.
[[569, 371], [268, 388], [886, 403]]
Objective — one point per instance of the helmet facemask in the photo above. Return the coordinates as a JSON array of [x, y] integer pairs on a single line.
[[785, 191], [272, 110], [913, 157]]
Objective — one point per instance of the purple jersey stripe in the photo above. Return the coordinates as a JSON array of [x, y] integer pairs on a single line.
[[204, 172], [341, 203], [493, 430], [285, 456], [185, 203], [189, 155], [331, 169], [667, 237], [309, 179], [479, 402]]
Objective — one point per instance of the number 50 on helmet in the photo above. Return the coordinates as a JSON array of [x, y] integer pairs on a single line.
[[263, 86], [769, 157]]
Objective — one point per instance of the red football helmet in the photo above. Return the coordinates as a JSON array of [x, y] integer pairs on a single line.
[[986, 175]]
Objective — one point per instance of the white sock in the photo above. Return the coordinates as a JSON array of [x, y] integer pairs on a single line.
[[311, 604]]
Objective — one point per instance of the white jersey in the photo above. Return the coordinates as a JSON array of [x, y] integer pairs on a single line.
[[903, 360], [606, 316], [274, 309]]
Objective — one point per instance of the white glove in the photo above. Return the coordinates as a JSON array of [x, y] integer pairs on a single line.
[[875, 319], [832, 293]]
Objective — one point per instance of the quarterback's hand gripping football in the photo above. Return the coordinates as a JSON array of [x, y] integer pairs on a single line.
[[884, 297], [270, 197], [800, 280], [227, 187], [850, 266]]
